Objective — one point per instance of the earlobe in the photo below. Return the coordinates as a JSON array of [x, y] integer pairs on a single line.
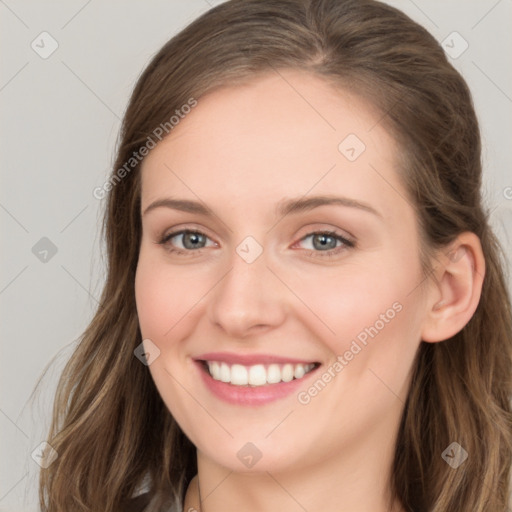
[[455, 288]]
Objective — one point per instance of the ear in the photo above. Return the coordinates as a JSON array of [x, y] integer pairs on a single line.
[[455, 288]]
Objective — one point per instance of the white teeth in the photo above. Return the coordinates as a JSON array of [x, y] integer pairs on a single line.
[[273, 374], [299, 372], [239, 375], [225, 373], [287, 373], [257, 375], [215, 370]]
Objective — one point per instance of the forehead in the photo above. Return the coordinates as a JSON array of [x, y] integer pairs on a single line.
[[282, 134]]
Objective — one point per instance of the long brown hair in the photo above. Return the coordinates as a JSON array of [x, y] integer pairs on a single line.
[[110, 427]]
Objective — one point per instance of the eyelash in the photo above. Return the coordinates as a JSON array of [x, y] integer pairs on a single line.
[[347, 244]]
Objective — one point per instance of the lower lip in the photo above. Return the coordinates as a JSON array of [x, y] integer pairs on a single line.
[[247, 395]]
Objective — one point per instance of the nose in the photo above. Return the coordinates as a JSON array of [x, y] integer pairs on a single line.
[[248, 299]]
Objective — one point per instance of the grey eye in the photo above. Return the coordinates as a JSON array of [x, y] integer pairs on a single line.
[[321, 241], [191, 240], [324, 241]]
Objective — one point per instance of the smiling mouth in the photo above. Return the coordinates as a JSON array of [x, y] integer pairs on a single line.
[[256, 375]]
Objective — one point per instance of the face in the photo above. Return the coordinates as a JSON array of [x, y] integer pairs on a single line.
[[288, 267]]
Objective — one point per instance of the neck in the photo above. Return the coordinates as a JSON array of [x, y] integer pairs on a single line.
[[350, 481]]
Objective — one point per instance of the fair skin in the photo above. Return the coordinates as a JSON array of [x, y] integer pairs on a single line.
[[241, 152]]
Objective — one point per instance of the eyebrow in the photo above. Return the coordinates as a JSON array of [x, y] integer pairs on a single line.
[[284, 207]]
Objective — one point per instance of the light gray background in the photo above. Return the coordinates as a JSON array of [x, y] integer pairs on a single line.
[[61, 117]]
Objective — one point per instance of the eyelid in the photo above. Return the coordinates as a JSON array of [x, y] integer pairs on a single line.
[[183, 228], [347, 242], [166, 237]]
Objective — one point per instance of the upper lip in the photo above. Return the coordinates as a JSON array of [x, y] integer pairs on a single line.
[[250, 359]]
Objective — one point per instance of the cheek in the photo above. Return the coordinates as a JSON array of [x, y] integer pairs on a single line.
[[152, 301], [366, 313], [162, 303], [163, 296]]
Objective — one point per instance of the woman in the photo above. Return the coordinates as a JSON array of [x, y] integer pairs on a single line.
[[305, 306]]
